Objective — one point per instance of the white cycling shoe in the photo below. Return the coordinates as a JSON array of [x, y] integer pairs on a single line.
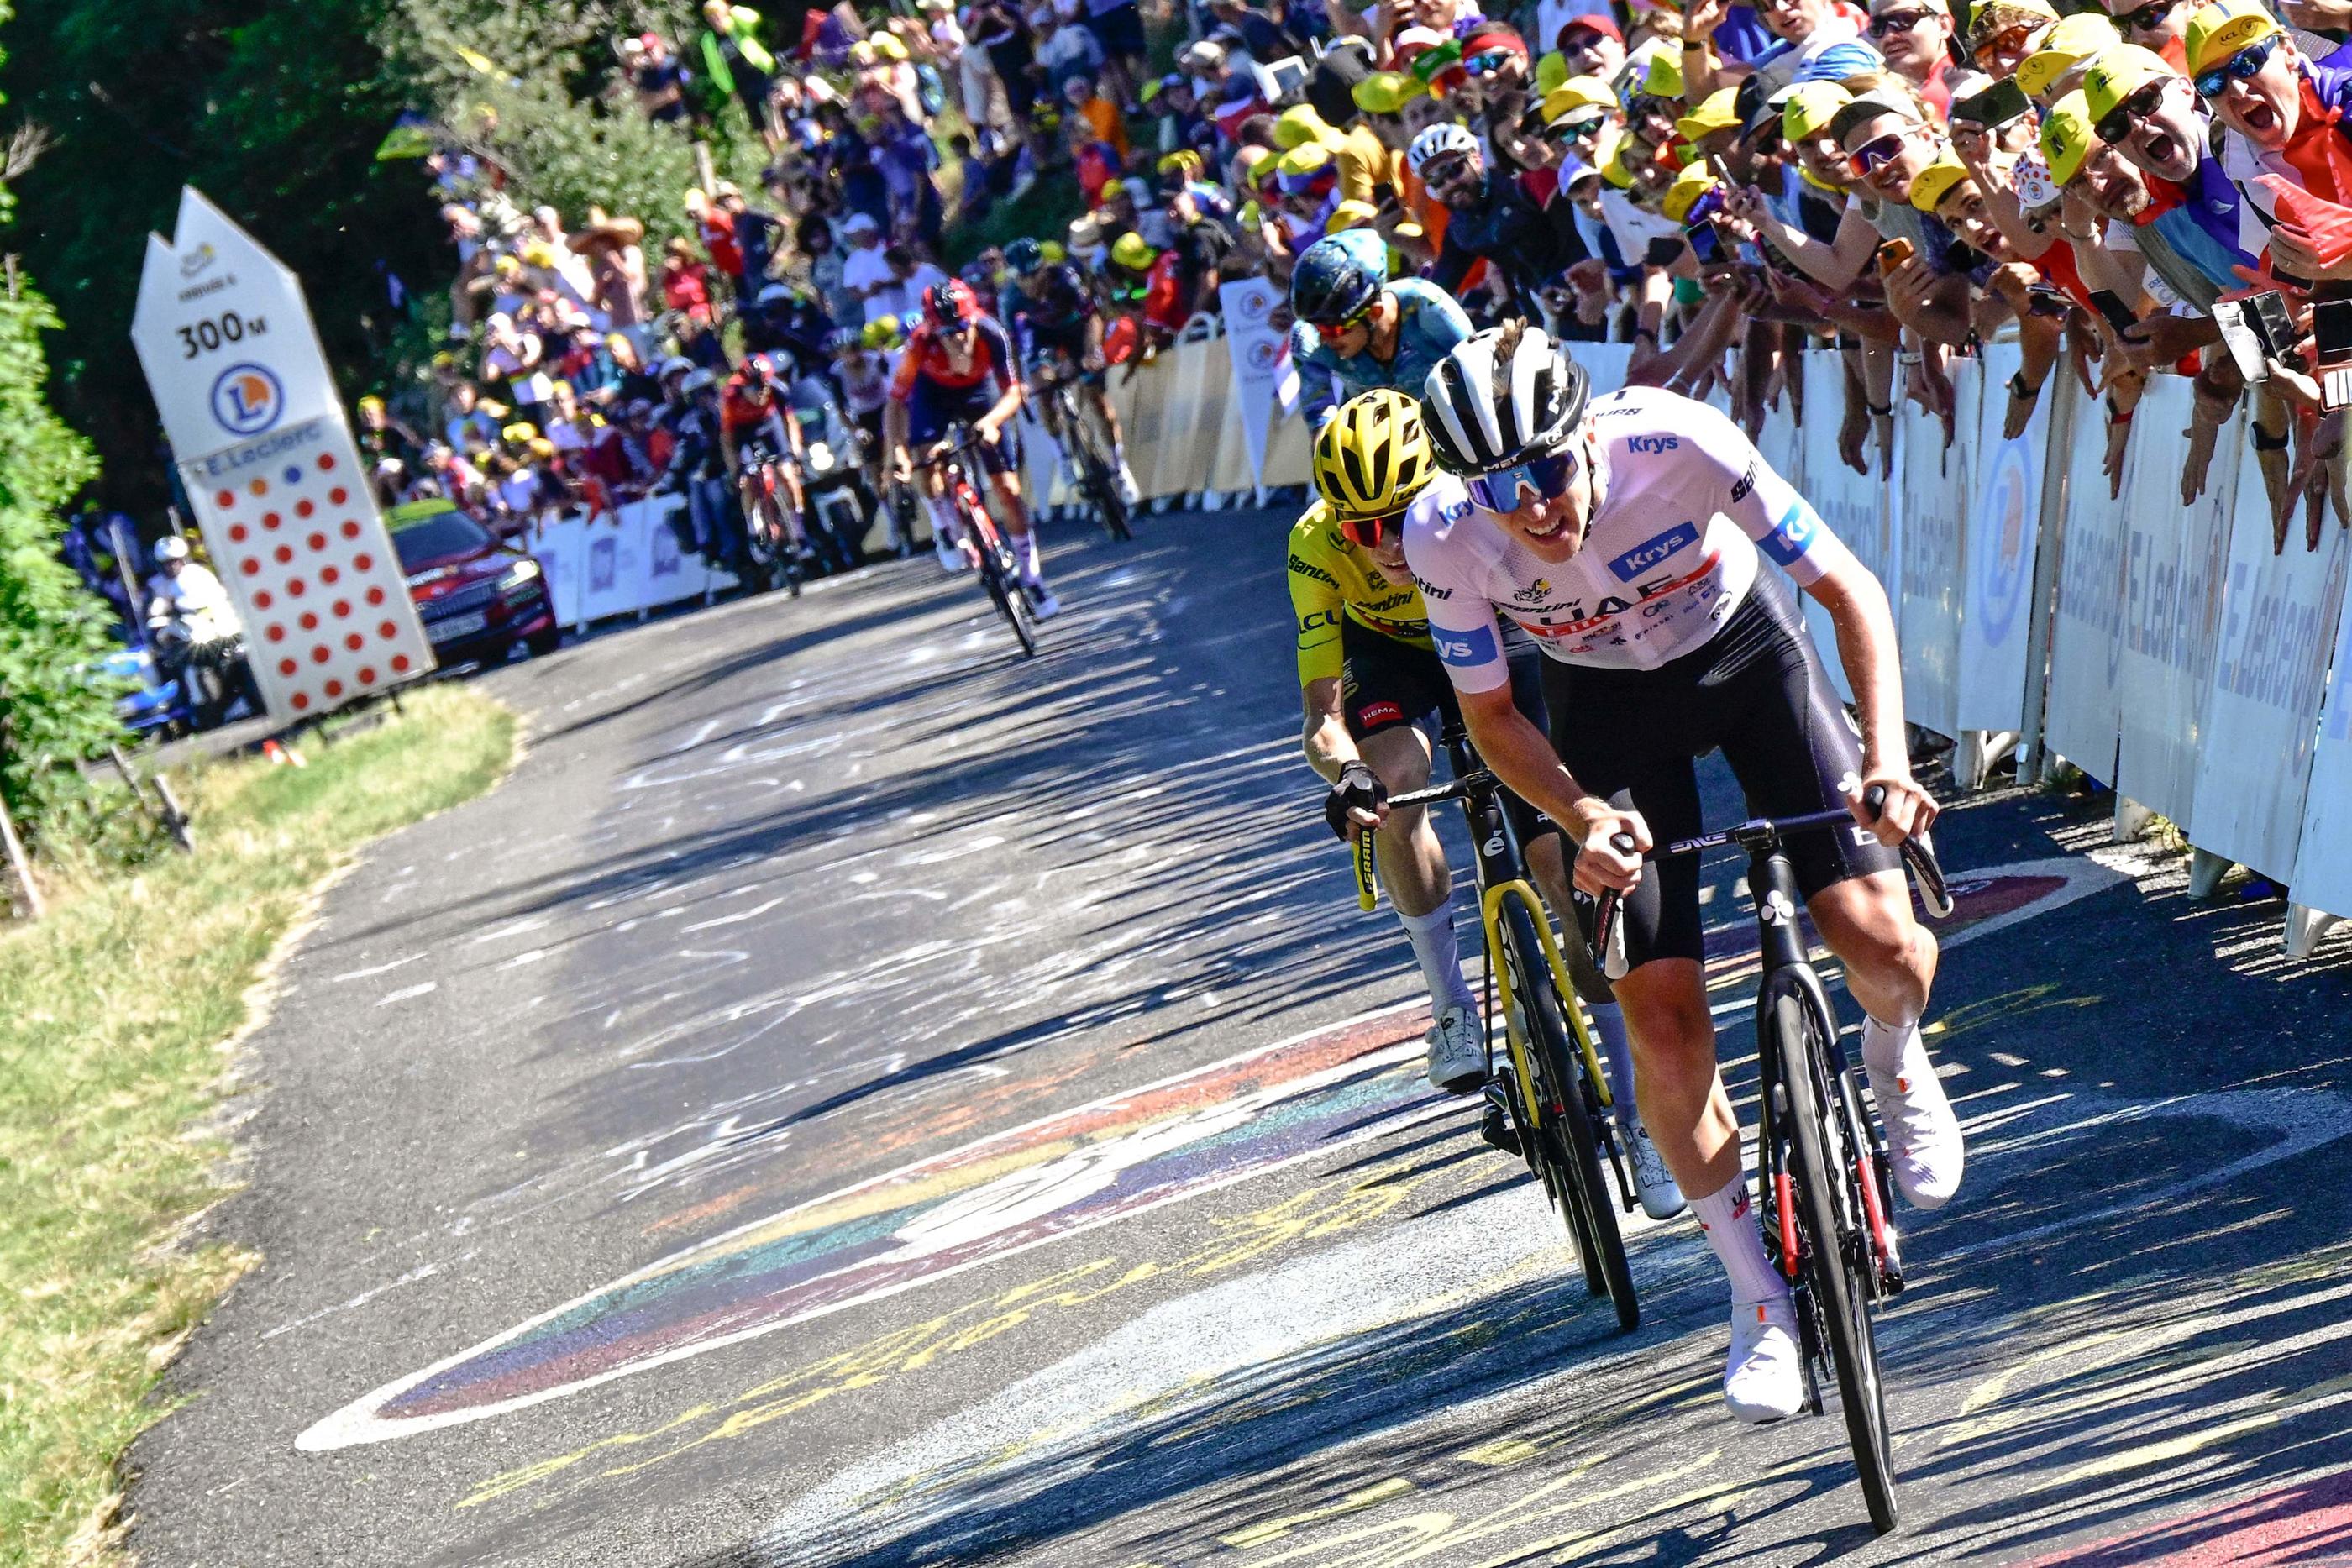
[[1764, 1378], [1042, 603], [1457, 1050], [1923, 1136], [952, 560], [1128, 490], [1652, 1182]]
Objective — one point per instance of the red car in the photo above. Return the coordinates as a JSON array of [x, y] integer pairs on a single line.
[[477, 597]]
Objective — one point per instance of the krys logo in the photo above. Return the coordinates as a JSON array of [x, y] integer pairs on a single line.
[[247, 400]]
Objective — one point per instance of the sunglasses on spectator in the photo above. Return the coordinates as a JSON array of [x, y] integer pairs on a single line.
[[1366, 533], [1878, 152], [2006, 39], [1896, 21], [2243, 66], [2117, 122], [1507, 489], [1570, 129], [1444, 171], [2148, 18], [1488, 63]]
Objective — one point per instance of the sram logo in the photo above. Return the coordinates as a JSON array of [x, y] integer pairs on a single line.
[[1653, 443], [1653, 550]]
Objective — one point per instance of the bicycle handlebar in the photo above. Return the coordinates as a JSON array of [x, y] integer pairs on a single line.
[[1918, 858]]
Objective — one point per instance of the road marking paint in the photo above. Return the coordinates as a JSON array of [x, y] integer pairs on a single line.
[[407, 993], [735, 919], [372, 972]]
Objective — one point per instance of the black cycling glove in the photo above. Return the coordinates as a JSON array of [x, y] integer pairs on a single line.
[[1357, 790]]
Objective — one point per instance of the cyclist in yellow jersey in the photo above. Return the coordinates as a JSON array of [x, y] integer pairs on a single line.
[[1367, 673]]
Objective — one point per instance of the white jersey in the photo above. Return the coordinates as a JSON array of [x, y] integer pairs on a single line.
[[1681, 501]]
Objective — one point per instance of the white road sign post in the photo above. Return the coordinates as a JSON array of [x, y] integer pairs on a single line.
[[266, 457]]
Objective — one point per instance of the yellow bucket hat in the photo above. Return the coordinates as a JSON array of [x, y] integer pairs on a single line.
[[2066, 138]]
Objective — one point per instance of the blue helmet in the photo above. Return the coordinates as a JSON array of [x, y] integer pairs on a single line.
[[1338, 277], [1024, 255]]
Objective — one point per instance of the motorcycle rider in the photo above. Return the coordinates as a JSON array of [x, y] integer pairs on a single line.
[[191, 626]]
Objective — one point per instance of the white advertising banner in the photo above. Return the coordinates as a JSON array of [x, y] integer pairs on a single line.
[[2079, 719], [270, 469], [2004, 531], [1259, 361], [560, 545], [2173, 561], [617, 563], [1933, 498], [1854, 505], [2323, 876], [2270, 668]]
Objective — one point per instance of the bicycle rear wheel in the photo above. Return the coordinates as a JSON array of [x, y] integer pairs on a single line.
[[1102, 487], [1569, 1123], [1835, 1251]]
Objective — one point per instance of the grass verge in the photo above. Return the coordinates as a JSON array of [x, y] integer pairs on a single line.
[[116, 1008]]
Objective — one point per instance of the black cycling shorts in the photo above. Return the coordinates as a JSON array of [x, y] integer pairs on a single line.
[[1757, 691], [1386, 682], [934, 409]]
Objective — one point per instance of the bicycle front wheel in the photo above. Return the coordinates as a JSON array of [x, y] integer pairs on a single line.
[[1111, 505], [1003, 585], [1568, 1122], [1834, 1247]]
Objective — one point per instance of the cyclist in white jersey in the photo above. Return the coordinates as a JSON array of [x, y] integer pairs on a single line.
[[1624, 537]]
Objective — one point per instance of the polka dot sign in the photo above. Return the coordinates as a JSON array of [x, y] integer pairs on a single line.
[[294, 533]]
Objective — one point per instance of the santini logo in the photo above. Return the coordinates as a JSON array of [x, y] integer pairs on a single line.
[[1650, 552], [1653, 443]]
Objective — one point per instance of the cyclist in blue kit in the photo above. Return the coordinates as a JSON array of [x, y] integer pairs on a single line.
[[1356, 324]]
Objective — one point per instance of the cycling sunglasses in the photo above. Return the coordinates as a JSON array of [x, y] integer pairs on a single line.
[[2006, 39], [2243, 66], [2116, 123], [1489, 62], [1332, 331], [1878, 152], [2148, 18], [1507, 489], [1573, 129], [1366, 533], [1445, 170]]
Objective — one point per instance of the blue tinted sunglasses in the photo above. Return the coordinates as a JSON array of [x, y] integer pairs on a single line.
[[1542, 480], [2243, 66]]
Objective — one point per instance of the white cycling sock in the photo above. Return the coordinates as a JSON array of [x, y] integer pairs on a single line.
[[943, 519], [1728, 1221], [1617, 1058], [1433, 948], [1882, 1045], [1033, 569]]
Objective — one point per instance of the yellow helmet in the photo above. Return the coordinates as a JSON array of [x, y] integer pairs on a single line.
[[1372, 458]]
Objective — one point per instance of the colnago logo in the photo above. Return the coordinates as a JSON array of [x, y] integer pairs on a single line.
[[1653, 444], [1651, 551]]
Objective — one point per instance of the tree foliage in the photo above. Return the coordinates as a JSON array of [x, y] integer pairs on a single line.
[[51, 629]]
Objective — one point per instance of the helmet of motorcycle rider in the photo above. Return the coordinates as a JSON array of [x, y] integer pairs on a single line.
[[171, 548]]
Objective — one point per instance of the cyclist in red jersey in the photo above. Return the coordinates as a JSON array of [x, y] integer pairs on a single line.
[[957, 369], [751, 414]]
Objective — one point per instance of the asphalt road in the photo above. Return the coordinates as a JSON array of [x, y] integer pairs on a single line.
[[857, 1097]]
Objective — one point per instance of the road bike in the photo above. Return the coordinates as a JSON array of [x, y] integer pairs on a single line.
[[957, 460], [1551, 1086], [1097, 477], [773, 533], [1822, 1158]]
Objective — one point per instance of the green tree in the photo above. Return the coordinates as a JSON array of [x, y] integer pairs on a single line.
[[275, 111], [51, 629]]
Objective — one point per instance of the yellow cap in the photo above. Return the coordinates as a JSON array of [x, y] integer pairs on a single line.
[[2065, 46], [1809, 109], [1550, 71], [1133, 252], [1714, 113], [1310, 159], [2223, 28], [1933, 183], [2066, 138], [1297, 126], [888, 47], [1664, 76], [1616, 171], [372, 403], [1387, 92], [1575, 93], [1689, 186], [2118, 74], [1250, 157], [1351, 216], [520, 433]]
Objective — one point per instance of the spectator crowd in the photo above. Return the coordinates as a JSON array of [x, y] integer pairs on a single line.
[[2165, 189]]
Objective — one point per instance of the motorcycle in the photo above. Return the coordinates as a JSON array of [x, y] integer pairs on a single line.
[[833, 477], [212, 674]]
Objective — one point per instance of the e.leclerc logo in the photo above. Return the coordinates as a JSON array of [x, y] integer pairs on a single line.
[[247, 400]]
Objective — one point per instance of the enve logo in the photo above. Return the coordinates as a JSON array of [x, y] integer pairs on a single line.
[[247, 400]]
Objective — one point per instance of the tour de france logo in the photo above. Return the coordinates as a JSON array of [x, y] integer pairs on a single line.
[[247, 400]]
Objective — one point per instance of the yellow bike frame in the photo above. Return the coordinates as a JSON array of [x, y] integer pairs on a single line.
[[1570, 1004]]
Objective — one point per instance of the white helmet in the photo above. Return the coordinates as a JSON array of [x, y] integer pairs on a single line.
[[171, 547], [1437, 143], [1487, 412]]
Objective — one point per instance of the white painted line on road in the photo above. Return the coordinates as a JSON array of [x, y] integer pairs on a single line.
[[408, 993], [371, 973], [735, 919]]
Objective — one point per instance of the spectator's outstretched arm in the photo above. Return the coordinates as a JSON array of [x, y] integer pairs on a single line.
[[1835, 264]]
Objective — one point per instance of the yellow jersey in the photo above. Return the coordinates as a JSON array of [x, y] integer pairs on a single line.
[[1330, 577]]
